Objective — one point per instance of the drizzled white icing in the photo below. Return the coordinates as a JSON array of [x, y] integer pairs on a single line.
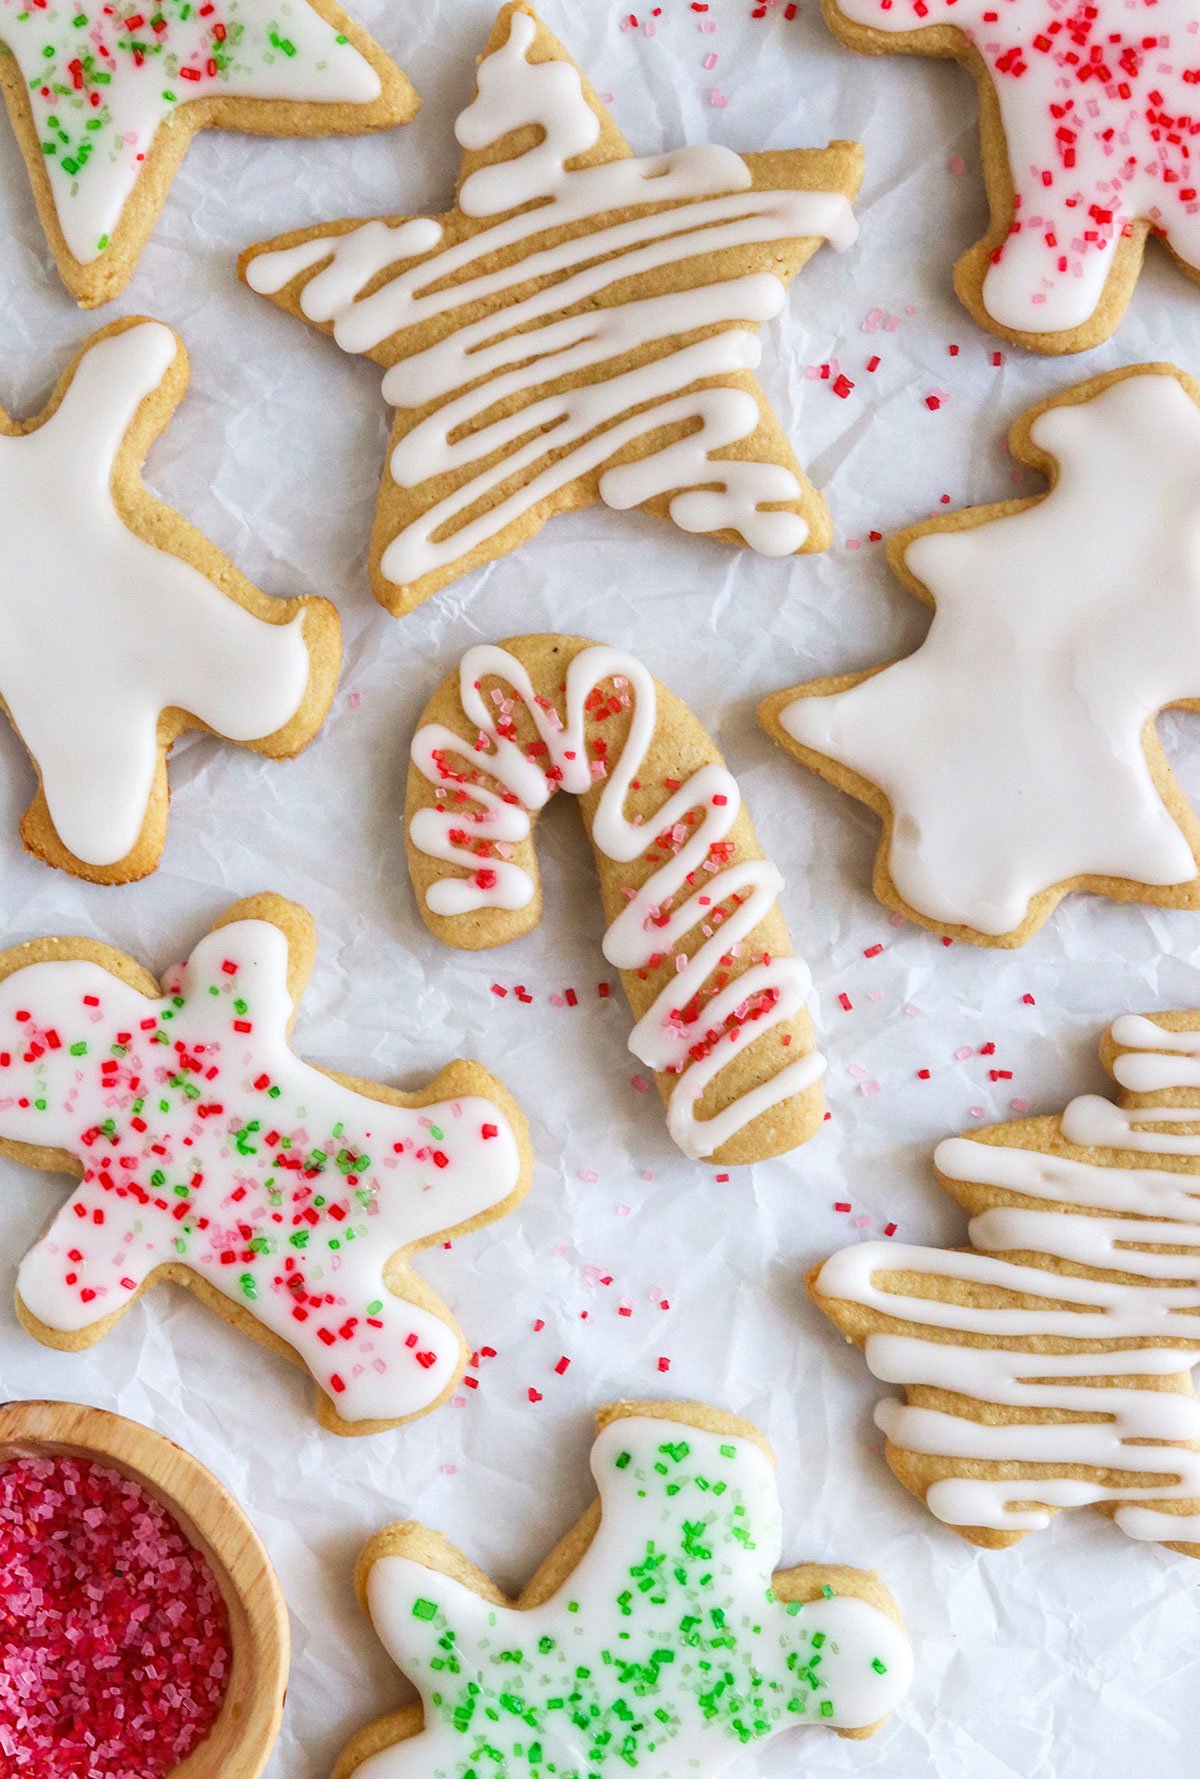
[[665, 1651], [1010, 744], [1113, 1214], [570, 329], [754, 1001], [132, 630]]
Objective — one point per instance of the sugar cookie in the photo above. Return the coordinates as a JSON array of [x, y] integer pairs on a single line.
[[1050, 1366], [1088, 117], [288, 1198], [1012, 757], [695, 927], [121, 627], [655, 1636], [580, 326], [105, 95]]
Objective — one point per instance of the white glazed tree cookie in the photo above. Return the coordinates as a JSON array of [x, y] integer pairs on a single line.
[[580, 326]]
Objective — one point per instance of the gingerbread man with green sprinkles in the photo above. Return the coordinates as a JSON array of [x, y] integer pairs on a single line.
[[658, 1637]]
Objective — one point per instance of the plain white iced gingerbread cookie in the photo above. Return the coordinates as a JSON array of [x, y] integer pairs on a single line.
[[1013, 756], [288, 1198], [1049, 1366], [658, 1637], [105, 95], [121, 627], [580, 326], [1088, 120]]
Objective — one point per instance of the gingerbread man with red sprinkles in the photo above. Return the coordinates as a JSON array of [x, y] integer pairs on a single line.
[[1090, 122], [286, 1197]]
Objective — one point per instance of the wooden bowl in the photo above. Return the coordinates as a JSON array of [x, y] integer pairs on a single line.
[[240, 1742]]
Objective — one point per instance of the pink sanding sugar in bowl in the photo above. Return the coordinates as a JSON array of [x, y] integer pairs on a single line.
[[114, 1638]]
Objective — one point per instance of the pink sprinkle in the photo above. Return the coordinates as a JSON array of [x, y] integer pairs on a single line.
[[871, 1088], [711, 60], [1019, 1105], [962, 1055], [639, 1083], [862, 1223], [956, 164], [718, 100]]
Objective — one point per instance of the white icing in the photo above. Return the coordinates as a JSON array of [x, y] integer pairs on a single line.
[[619, 1646], [641, 931], [100, 631], [101, 88], [1097, 120], [1157, 1302], [569, 328], [1009, 745], [200, 1133]]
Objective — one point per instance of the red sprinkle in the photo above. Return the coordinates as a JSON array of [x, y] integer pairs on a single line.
[[114, 1638]]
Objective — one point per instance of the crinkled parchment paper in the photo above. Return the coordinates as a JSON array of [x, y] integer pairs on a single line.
[[1069, 1656]]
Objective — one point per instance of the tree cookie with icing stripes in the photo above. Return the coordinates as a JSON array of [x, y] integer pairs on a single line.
[[1013, 758], [579, 327], [121, 626], [287, 1197], [695, 927], [1049, 1366], [105, 95], [1088, 113], [658, 1636]]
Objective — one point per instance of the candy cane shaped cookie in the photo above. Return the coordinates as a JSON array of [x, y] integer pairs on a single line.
[[287, 1198], [695, 927], [1049, 1366]]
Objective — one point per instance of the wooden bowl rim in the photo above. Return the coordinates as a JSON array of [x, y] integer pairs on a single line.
[[216, 1524]]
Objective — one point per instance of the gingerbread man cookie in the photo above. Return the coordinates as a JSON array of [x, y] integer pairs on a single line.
[[105, 96], [658, 1636], [695, 927], [1088, 116], [121, 627], [580, 326], [1013, 758], [288, 1198], [1050, 1366]]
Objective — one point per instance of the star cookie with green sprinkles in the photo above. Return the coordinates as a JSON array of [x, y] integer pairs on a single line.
[[287, 1197], [657, 1638], [105, 96]]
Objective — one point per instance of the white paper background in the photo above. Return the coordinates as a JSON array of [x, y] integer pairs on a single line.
[[1071, 1655]]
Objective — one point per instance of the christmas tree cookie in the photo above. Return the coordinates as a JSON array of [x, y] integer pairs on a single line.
[[286, 1197], [1088, 117], [580, 326], [105, 95], [121, 627], [658, 1637], [1012, 757], [1049, 1365]]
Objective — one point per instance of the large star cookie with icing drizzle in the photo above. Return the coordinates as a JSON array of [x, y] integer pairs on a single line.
[[288, 1198], [580, 326], [121, 627], [105, 96], [1088, 114], [658, 1637], [1013, 756], [1049, 1366], [694, 921]]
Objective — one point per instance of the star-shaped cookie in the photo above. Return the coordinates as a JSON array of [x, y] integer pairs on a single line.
[[121, 627], [288, 1198], [580, 326], [105, 96], [1013, 757], [1050, 1365], [655, 1638], [1088, 115]]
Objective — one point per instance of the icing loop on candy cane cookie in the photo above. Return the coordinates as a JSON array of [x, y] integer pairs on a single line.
[[120, 627], [580, 326], [655, 1638], [692, 903], [1049, 1367], [211, 1155], [1089, 114], [1012, 756]]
